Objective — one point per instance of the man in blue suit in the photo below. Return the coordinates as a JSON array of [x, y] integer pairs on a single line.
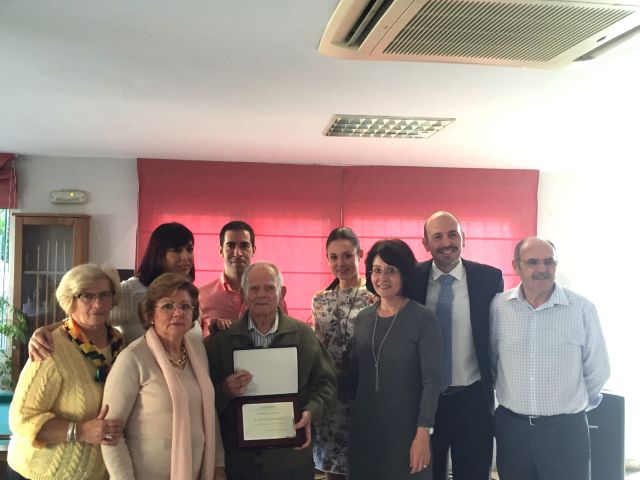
[[464, 419]]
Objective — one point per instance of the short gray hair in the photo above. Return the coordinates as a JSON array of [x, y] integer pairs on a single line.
[[84, 276], [245, 276]]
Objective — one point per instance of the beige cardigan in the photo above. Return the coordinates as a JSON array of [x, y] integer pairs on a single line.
[[137, 393]]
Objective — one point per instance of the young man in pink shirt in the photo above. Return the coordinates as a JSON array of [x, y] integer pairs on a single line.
[[220, 300]]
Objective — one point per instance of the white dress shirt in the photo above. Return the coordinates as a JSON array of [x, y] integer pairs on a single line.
[[547, 360]]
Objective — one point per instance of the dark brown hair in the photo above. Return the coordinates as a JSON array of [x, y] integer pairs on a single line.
[[164, 237], [341, 233], [397, 253]]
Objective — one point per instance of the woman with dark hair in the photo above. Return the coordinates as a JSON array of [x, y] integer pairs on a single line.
[[334, 310], [170, 250], [395, 372], [161, 390]]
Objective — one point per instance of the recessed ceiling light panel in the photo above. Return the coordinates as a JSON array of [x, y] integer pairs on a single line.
[[380, 126]]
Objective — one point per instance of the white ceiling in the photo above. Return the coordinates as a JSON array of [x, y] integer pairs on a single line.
[[243, 81]]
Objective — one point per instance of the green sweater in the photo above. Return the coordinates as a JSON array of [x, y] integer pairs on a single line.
[[316, 388]]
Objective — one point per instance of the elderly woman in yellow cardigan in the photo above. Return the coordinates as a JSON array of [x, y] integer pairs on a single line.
[[56, 417]]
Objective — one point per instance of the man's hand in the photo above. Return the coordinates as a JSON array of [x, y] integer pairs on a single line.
[[40, 344], [419, 453], [236, 383], [305, 421], [222, 323]]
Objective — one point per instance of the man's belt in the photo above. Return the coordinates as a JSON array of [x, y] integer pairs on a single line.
[[536, 420]]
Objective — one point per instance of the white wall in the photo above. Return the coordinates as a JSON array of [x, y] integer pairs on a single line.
[[592, 218], [112, 185]]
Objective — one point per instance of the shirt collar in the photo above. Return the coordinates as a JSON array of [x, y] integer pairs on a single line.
[[225, 283], [558, 297], [252, 326], [457, 272]]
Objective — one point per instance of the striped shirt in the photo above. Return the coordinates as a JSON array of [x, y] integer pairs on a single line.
[[547, 360], [260, 339]]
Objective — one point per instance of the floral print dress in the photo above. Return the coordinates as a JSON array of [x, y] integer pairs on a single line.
[[334, 312]]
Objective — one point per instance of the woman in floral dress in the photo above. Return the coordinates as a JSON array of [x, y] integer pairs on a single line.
[[334, 310]]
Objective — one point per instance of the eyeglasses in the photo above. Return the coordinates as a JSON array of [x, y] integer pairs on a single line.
[[89, 297], [169, 307], [534, 262], [387, 270]]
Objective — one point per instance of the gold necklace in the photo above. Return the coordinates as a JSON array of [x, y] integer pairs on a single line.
[[182, 360]]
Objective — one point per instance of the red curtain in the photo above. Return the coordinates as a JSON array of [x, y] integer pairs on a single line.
[[496, 208], [8, 181], [292, 208]]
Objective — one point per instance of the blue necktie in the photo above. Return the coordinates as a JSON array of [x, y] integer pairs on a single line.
[[443, 315]]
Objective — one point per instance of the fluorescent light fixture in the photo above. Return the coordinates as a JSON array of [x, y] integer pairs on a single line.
[[381, 126]]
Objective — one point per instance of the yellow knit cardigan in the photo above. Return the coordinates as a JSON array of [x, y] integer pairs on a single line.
[[61, 386]]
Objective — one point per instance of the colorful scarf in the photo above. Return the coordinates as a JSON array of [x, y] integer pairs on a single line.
[[181, 437], [90, 351]]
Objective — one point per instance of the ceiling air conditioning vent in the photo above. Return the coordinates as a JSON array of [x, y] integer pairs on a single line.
[[529, 33]]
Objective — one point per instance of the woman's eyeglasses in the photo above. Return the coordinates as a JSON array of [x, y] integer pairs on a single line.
[[386, 270], [89, 297], [169, 307]]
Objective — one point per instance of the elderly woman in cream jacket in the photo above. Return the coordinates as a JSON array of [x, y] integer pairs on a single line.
[[160, 388]]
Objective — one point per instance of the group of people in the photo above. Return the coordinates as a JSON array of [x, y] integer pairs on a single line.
[[398, 376]]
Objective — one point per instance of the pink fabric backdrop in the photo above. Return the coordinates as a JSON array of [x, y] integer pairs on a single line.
[[292, 208]]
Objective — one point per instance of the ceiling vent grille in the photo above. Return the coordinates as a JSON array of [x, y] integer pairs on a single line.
[[387, 127], [537, 33]]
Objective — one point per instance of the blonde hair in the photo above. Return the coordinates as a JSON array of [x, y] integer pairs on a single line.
[[82, 277]]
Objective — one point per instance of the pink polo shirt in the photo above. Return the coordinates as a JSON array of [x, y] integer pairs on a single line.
[[219, 300]]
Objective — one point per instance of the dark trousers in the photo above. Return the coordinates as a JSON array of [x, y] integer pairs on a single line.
[[13, 475], [464, 425], [304, 473], [544, 448]]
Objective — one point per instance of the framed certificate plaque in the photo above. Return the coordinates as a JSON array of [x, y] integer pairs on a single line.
[[268, 421], [270, 407]]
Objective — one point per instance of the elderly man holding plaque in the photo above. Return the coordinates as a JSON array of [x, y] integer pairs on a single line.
[[272, 379]]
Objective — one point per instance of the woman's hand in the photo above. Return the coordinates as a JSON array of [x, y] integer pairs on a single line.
[[100, 431], [419, 453], [40, 344], [220, 474]]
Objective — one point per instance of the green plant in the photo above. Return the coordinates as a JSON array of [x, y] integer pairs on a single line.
[[13, 325]]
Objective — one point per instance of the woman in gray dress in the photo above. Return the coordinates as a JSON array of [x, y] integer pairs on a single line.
[[394, 371]]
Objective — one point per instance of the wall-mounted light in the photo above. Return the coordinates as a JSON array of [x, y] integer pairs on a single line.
[[68, 196]]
